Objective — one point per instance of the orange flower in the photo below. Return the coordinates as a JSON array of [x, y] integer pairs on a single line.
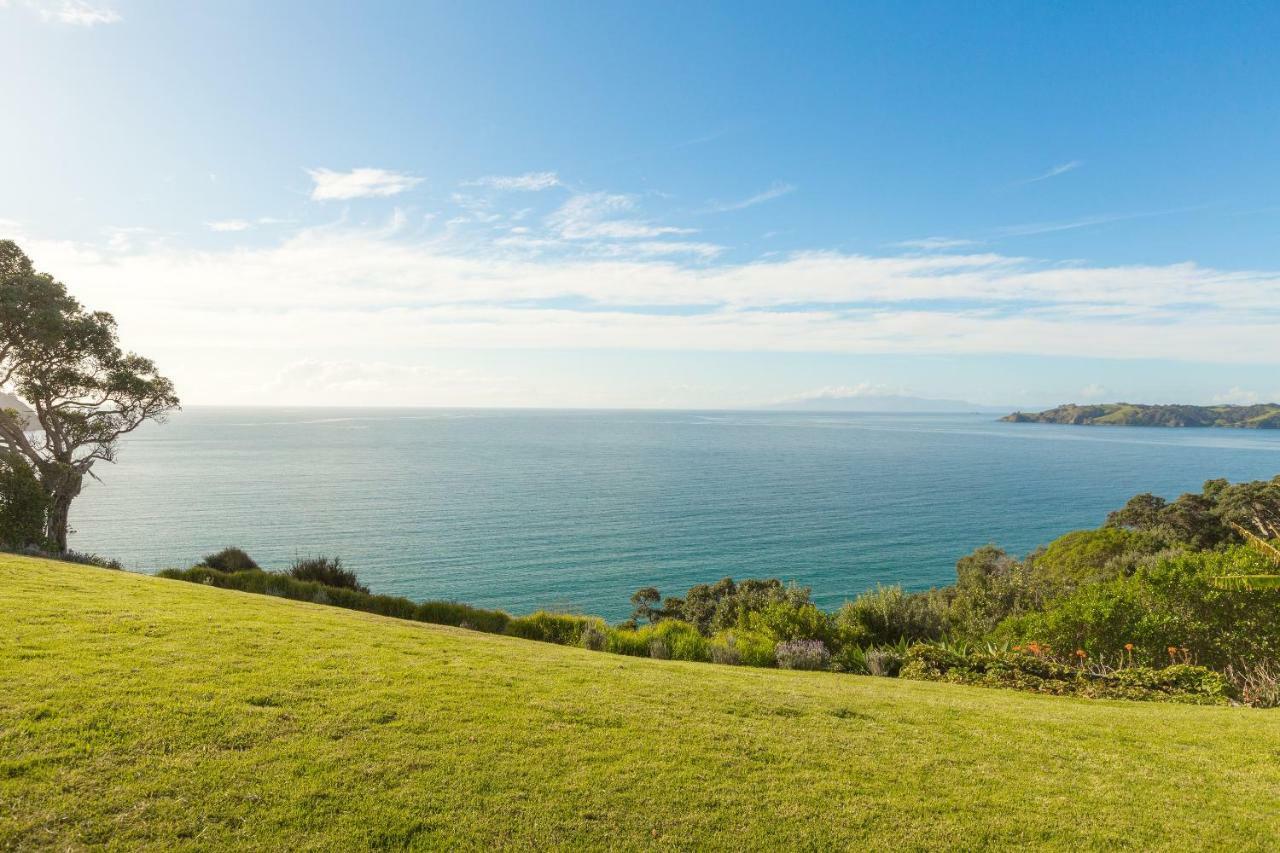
[[1128, 647], [1173, 650], [1079, 653]]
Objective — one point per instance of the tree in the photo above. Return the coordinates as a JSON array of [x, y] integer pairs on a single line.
[[644, 601], [85, 391]]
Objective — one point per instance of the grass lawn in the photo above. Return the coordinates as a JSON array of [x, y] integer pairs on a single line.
[[136, 711]]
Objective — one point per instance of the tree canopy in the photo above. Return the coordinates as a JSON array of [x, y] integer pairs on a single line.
[[66, 363]]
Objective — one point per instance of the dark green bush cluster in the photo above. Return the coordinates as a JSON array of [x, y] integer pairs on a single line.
[[284, 586], [1025, 671], [24, 506], [230, 560], [327, 571]]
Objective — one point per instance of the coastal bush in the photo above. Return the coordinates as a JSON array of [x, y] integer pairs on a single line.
[[561, 628], [285, 586], [802, 654], [885, 662], [230, 560], [667, 639], [746, 647], [712, 608], [1172, 604], [990, 587], [327, 571], [1039, 674], [1087, 556], [786, 621], [24, 506], [1257, 684], [82, 558], [462, 616], [887, 615]]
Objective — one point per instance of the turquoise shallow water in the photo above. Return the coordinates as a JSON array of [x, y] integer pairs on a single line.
[[524, 509]]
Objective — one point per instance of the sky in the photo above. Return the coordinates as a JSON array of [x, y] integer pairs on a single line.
[[675, 205]]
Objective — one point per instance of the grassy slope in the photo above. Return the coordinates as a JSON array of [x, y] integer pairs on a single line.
[[145, 711]]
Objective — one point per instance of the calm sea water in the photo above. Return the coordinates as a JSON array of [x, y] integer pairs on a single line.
[[525, 509]]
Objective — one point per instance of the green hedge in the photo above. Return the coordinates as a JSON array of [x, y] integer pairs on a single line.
[[283, 586], [1024, 671]]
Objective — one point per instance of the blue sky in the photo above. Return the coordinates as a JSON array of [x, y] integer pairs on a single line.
[[658, 204]]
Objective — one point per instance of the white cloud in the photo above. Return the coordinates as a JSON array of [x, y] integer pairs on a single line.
[[846, 392], [598, 215], [230, 225], [78, 13], [1242, 397], [339, 295], [1093, 392], [1053, 172], [934, 244], [351, 382], [776, 191], [529, 181], [359, 183]]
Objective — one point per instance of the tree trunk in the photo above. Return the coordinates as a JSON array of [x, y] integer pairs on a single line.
[[61, 493]]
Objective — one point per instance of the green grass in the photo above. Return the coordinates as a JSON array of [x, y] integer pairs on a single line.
[[138, 711]]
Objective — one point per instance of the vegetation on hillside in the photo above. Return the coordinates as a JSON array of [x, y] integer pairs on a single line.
[[142, 713], [1258, 416], [1169, 600], [84, 391]]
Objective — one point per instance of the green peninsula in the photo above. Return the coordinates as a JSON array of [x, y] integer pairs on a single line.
[[1259, 416]]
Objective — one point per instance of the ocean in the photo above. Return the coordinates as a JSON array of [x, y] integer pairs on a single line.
[[575, 510]]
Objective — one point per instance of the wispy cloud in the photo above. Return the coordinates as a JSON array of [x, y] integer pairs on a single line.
[[76, 13], [1030, 228], [601, 215], [228, 225], [1055, 171], [528, 182], [359, 183], [936, 244], [776, 191]]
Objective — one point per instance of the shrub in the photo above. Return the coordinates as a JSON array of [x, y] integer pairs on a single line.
[[788, 620], [802, 654], [1087, 556], [285, 586], [884, 662], [724, 650], [1171, 603], [1040, 674], [233, 560], [560, 628], [1256, 684], [593, 636], [751, 648], [80, 557], [887, 615], [462, 616], [628, 641], [667, 639], [327, 571], [23, 504]]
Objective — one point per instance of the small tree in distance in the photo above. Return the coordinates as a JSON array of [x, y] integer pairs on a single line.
[[84, 390]]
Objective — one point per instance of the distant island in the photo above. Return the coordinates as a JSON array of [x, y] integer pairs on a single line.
[[1260, 416]]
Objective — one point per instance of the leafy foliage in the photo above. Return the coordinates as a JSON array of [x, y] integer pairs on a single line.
[[67, 364], [231, 560], [24, 506], [324, 570]]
